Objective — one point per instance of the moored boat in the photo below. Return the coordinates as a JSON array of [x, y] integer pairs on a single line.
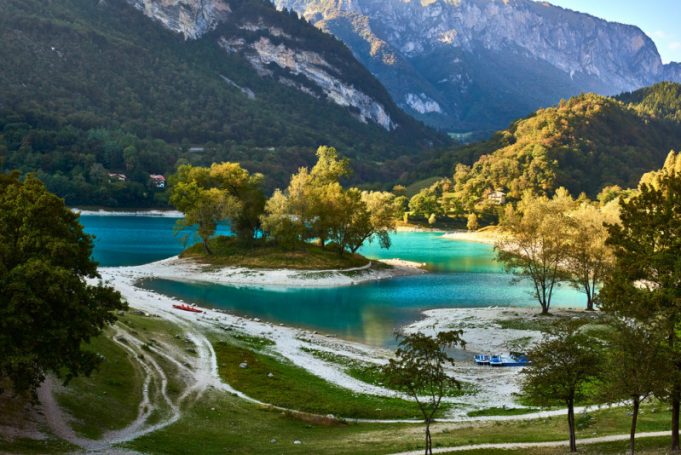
[[185, 307]]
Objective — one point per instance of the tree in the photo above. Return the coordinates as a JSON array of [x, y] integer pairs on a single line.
[[645, 283], [418, 369], [426, 203], [560, 365], [588, 258], [632, 366], [48, 309], [208, 196], [534, 244], [368, 215], [472, 223]]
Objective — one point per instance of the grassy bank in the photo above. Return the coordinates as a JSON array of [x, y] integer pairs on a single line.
[[278, 382], [228, 251], [219, 423]]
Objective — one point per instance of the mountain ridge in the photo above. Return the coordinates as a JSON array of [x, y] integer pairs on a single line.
[[454, 64]]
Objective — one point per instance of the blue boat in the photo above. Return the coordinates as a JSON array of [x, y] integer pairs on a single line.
[[504, 360], [482, 359]]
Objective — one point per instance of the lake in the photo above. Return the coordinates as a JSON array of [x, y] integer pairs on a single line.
[[462, 274]]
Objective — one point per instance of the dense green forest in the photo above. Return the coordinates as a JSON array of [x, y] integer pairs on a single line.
[[583, 144], [91, 88]]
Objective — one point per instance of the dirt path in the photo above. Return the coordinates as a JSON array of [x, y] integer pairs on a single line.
[[535, 445]]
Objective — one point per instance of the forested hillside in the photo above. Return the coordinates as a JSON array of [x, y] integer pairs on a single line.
[[90, 88], [583, 144]]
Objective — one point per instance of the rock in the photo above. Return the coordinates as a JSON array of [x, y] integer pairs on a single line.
[[243, 365], [462, 43], [330, 416], [297, 442], [270, 375], [256, 319], [273, 441]]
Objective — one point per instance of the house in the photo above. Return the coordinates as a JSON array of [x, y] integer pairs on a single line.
[[117, 177], [497, 197], [196, 149], [158, 180]]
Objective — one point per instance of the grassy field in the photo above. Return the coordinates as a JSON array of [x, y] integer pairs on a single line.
[[220, 423], [115, 386], [278, 382], [228, 251]]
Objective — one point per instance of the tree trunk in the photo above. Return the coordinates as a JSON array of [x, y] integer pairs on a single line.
[[429, 439], [571, 425], [589, 302], [634, 418], [206, 247], [676, 405]]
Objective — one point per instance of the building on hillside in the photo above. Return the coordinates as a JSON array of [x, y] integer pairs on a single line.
[[497, 197], [117, 177], [158, 180]]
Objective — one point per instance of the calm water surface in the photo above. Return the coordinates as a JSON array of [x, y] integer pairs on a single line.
[[462, 274]]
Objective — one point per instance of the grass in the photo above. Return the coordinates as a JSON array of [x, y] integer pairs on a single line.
[[503, 411], [114, 386], [220, 423], [278, 382], [373, 374], [228, 251]]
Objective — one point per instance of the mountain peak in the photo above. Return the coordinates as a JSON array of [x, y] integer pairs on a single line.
[[476, 57]]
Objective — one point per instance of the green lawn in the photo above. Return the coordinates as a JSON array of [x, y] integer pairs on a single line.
[[115, 387], [293, 387], [220, 423]]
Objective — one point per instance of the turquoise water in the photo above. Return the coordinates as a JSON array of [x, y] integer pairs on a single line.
[[463, 274], [133, 240]]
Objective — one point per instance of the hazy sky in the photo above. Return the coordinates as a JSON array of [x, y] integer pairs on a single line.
[[659, 19]]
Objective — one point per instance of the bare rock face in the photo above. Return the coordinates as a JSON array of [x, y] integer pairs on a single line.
[[191, 18], [255, 40], [474, 57]]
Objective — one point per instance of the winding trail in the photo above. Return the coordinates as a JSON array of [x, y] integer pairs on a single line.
[[199, 374]]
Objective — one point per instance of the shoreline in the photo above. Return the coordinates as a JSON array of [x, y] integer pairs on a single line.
[[488, 236], [494, 386], [186, 270], [160, 213]]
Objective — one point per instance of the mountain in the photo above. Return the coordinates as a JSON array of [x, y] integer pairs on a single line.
[[83, 80], [584, 144], [465, 65]]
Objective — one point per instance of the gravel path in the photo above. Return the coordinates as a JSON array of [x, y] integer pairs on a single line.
[[535, 445]]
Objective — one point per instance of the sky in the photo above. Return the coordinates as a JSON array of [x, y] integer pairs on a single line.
[[659, 19]]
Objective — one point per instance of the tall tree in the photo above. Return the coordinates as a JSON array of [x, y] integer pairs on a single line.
[[646, 280], [534, 243], [49, 306], [223, 192], [632, 366], [559, 367], [588, 258], [419, 370]]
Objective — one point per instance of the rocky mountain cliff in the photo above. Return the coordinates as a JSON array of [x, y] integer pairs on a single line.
[[478, 64], [251, 32]]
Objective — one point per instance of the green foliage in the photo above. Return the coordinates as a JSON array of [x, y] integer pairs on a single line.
[[535, 242], [419, 370], [47, 308], [225, 191], [316, 206], [97, 83], [561, 365], [583, 144]]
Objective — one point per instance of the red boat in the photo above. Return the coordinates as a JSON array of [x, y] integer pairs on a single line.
[[184, 307]]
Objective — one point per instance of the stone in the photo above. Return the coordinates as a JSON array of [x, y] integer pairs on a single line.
[[243, 365]]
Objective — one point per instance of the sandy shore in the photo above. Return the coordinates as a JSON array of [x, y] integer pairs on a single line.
[[488, 236], [495, 386], [154, 213], [187, 270]]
